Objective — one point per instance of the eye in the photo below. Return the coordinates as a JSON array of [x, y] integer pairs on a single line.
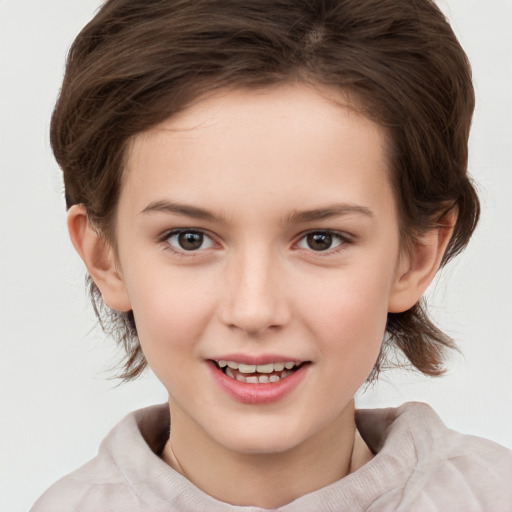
[[189, 240], [321, 241]]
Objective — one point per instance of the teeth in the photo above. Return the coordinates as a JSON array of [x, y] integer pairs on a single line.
[[265, 368], [256, 379], [260, 368], [246, 368]]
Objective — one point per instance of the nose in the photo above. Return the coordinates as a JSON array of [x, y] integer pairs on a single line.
[[254, 297]]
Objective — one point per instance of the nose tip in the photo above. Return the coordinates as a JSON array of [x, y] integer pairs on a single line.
[[253, 320], [255, 300], [254, 313]]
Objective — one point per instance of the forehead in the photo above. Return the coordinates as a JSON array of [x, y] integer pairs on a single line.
[[293, 142]]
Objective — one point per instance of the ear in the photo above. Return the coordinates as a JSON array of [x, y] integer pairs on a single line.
[[418, 267], [99, 258]]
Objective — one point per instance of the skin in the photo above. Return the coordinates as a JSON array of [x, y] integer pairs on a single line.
[[253, 160]]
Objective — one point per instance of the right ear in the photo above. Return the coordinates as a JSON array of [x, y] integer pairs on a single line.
[[99, 258]]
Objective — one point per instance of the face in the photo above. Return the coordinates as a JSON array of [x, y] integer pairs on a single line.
[[258, 245]]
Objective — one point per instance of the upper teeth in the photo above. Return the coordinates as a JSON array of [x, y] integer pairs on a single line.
[[260, 368]]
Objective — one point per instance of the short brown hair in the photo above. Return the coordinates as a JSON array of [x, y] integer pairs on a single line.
[[139, 62]]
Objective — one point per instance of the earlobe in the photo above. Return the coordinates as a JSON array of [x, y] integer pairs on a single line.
[[419, 266], [99, 259]]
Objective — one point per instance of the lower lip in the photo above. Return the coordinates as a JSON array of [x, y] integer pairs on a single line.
[[258, 393]]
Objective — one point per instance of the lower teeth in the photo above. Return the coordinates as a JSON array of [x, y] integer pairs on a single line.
[[257, 379]]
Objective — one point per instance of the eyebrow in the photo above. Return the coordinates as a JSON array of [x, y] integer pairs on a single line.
[[193, 212], [337, 210], [294, 217]]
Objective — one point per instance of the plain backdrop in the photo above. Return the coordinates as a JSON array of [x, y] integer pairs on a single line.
[[57, 401]]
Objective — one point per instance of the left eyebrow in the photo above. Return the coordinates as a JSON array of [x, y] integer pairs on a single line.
[[186, 210], [330, 212]]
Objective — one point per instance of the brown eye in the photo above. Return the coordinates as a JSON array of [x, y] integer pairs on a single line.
[[189, 241], [319, 241]]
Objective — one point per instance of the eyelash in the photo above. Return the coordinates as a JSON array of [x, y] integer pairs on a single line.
[[165, 239], [342, 238]]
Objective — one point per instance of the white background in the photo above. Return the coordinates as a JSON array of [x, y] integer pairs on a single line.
[[56, 400]]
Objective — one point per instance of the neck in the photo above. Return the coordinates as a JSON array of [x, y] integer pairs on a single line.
[[267, 480]]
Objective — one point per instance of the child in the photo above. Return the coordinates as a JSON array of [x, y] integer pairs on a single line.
[[261, 192]]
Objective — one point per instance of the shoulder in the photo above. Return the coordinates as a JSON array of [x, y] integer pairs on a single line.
[[448, 470], [460, 469], [105, 483], [93, 487]]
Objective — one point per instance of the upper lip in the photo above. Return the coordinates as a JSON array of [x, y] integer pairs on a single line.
[[257, 359]]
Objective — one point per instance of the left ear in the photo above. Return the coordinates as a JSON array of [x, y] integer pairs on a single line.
[[418, 267]]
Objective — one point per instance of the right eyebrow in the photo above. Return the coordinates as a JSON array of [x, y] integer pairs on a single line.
[[181, 209]]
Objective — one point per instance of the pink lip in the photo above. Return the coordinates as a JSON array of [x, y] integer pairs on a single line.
[[257, 393], [262, 359]]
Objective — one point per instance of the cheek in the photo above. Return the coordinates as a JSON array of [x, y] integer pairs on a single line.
[[348, 316], [171, 313]]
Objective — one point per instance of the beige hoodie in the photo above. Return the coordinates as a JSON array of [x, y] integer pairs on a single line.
[[420, 466]]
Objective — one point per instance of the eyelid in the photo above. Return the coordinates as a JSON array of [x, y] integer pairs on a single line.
[[344, 238], [164, 239]]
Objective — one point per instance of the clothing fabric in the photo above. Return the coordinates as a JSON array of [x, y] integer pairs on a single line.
[[420, 466]]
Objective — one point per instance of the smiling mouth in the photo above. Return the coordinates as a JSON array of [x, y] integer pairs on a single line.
[[260, 373]]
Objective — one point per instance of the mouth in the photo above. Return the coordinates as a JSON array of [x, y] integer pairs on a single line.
[[258, 373]]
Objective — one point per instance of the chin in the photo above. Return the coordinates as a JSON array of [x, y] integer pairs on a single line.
[[263, 445], [263, 438]]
